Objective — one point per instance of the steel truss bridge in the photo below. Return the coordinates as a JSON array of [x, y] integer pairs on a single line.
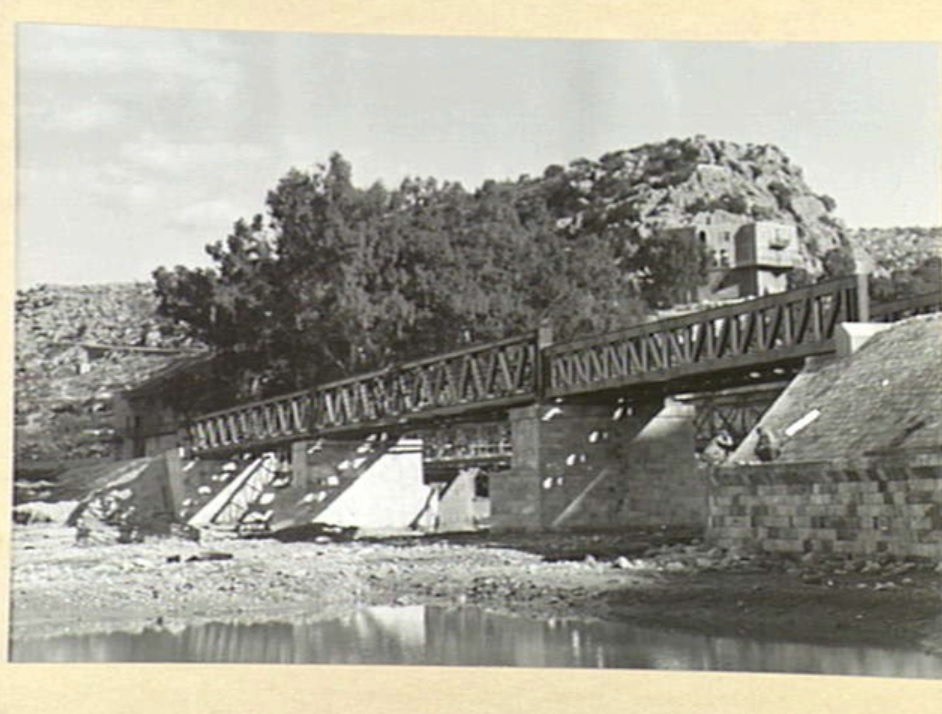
[[750, 342]]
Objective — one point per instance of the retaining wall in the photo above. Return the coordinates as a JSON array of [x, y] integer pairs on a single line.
[[877, 505]]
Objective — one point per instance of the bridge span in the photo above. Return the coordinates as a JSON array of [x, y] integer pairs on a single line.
[[582, 431], [752, 341]]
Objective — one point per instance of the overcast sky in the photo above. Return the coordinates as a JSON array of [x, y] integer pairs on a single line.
[[138, 147]]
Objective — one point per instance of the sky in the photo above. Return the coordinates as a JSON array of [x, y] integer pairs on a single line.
[[137, 147]]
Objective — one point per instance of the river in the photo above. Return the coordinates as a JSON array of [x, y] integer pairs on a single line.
[[426, 635]]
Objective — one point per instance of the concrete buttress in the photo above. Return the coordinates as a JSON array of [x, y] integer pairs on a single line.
[[600, 465]]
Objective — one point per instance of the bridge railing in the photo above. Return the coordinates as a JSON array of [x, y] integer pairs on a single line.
[[784, 326], [906, 307], [770, 330], [489, 376], [271, 420]]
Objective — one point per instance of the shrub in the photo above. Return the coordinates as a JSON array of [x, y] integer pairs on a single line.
[[782, 193], [829, 203]]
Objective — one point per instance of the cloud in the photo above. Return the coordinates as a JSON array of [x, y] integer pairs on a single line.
[[156, 153], [84, 118], [101, 51], [212, 212], [176, 66], [109, 183]]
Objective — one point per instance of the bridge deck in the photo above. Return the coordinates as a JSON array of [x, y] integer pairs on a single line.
[[479, 379], [765, 336], [766, 332]]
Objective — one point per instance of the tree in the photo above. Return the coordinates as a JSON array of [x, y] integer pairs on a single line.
[[672, 268], [783, 194], [335, 280], [798, 278], [838, 262], [924, 278], [829, 203]]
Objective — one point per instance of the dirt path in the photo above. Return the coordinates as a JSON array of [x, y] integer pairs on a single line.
[[653, 578]]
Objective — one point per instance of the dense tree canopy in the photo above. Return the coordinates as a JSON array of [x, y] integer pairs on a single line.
[[670, 269], [924, 278], [335, 279], [920, 279]]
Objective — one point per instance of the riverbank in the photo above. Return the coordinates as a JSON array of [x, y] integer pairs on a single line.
[[653, 578]]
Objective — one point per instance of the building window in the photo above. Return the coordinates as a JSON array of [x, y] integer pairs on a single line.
[[778, 241]]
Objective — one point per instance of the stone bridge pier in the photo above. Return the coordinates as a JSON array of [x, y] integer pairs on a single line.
[[578, 465]]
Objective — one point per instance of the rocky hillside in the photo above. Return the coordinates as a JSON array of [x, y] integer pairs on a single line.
[[72, 355], [67, 367], [633, 192], [895, 249]]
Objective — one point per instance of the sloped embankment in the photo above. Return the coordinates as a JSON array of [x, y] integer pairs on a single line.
[[885, 397]]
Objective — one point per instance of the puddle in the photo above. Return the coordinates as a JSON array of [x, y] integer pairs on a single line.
[[469, 636]]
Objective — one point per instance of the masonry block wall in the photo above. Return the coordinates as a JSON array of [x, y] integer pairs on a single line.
[[582, 465], [878, 505]]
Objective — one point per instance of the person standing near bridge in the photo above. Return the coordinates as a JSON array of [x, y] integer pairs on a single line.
[[767, 445]]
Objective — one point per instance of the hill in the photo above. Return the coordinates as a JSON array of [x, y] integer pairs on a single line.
[[428, 266], [629, 194], [898, 249], [75, 347], [418, 269]]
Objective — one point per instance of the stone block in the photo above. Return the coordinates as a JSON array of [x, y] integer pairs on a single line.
[[777, 545]]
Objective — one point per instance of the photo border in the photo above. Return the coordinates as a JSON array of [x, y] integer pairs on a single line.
[[304, 688]]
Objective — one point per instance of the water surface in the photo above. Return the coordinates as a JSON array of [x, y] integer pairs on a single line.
[[425, 635]]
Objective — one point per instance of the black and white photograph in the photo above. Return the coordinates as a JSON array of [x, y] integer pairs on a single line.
[[458, 351]]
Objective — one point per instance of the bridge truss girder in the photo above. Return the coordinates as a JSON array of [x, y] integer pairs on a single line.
[[752, 342]]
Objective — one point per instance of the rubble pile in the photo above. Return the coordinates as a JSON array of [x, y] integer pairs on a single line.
[[134, 502]]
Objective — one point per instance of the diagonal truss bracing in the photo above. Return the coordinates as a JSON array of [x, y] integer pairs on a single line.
[[761, 333], [757, 332], [495, 375]]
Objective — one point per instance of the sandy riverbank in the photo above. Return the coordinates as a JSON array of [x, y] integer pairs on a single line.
[[666, 580]]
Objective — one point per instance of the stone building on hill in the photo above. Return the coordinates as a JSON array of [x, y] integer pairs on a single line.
[[748, 259]]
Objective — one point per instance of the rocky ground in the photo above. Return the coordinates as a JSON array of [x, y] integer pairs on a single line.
[[64, 394], [898, 248], [664, 579]]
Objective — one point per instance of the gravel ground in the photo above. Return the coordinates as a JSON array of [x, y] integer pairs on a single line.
[[646, 577]]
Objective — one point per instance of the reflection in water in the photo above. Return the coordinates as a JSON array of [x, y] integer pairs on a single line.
[[469, 636]]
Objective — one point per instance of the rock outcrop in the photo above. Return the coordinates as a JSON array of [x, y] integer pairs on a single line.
[[75, 347], [632, 193]]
